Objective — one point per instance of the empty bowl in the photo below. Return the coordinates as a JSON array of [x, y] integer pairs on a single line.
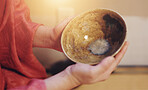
[[93, 35]]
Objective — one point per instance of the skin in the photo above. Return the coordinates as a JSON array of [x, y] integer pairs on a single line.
[[79, 73]]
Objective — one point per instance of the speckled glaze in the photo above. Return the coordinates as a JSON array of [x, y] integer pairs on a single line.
[[93, 35]]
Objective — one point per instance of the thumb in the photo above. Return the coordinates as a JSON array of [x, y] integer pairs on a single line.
[[105, 64], [64, 23]]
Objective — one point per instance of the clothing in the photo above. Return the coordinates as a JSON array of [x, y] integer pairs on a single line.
[[18, 65]]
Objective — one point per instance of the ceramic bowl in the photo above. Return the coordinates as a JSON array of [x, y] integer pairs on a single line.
[[93, 35]]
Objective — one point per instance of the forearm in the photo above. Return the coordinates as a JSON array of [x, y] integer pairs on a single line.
[[45, 37], [62, 81]]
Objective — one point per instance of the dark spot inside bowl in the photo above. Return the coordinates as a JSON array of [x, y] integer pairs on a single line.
[[113, 28], [114, 31]]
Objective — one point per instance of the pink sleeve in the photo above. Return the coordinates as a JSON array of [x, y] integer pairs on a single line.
[[34, 84]]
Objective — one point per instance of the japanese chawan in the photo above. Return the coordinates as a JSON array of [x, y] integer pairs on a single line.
[[93, 35]]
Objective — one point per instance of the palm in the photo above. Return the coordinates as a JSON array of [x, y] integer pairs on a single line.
[[86, 74]]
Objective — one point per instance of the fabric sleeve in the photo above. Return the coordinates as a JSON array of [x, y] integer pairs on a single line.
[[18, 65], [24, 35], [34, 84]]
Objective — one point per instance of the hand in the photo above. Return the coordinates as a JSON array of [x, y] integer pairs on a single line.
[[47, 37], [58, 32], [78, 74], [86, 74]]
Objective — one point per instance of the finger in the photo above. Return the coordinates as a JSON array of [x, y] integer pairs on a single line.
[[121, 53], [115, 61], [104, 65], [118, 57], [63, 24], [67, 20]]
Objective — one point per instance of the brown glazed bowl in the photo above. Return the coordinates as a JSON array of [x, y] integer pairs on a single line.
[[93, 35]]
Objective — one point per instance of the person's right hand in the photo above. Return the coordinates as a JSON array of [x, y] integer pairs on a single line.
[[86, 74]]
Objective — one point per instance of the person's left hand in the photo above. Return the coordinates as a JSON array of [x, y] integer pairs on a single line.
[[58, 31], [47, 37]]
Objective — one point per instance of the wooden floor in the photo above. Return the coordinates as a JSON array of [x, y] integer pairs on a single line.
[[124, 78]]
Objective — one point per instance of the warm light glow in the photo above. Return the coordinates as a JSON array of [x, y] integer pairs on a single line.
[[57, 1], [60, 0]]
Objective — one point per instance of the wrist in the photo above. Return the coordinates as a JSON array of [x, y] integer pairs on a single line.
[[62, 81], [44, 37], [72, 78]]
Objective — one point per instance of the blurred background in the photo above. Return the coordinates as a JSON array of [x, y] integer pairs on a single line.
[[135, 13]]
